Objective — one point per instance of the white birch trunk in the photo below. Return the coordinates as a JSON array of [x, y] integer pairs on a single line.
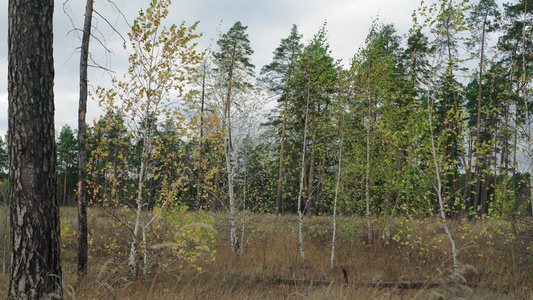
[[138, 216], [145, 251], [140, 202], [232, 210], [234, 240], [334, 238], [302, 177], [241, 250], [438, 189]]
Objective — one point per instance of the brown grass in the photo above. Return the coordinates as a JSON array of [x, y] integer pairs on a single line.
[[496, 261]]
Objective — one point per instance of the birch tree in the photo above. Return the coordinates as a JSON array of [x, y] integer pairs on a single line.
[[163, 61], [314, 86], [439, 141], [232, 60]]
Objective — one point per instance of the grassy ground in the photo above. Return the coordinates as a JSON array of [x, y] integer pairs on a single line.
[[496, 261]]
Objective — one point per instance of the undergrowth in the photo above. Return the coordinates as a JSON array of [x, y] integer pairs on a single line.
[[495, 257]]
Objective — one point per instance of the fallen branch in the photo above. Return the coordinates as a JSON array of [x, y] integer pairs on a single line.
[[381, 285]]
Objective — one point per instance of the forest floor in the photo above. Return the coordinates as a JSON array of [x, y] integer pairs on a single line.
[[405, 259]]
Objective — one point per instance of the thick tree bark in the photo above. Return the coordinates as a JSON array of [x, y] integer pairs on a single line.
[[35, 233], [82, 143]]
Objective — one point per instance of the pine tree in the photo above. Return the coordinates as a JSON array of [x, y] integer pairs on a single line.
[[67, 156], [162, 63], [278, 78], [35, 231], [484, 19]]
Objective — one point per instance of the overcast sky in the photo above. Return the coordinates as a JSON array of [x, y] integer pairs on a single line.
[[268, 22]]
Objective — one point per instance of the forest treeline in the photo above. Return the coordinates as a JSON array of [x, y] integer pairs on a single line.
[[196, 122], [432, 124]]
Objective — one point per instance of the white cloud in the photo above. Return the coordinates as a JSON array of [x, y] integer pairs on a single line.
[[268, 22]]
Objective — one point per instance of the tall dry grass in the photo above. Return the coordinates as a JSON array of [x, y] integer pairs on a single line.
[[495, 258]]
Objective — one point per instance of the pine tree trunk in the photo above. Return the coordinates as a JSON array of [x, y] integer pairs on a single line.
[[279, 193], [478, 172], [35, 230]]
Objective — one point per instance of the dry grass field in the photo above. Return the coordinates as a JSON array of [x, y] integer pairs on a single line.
[[406, 259]]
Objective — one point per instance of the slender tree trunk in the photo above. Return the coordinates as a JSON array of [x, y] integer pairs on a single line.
[[146, 136], [279, 193], [467, 195], [457, 114], [302, 179], [334, 237], [200, 157], [496, 168], [138, 218], [505, 148], [234, 239], [488, 163], [438, 190], [367, 171], [528, 121], [65, 184], [320, 187], [35, 228], [515, 147], [310, 177], [82, 143], [479, 192], [243, 227]]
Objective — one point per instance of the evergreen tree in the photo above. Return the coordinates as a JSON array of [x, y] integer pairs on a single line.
[[67, 158], [278, 78], [517, 46]]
